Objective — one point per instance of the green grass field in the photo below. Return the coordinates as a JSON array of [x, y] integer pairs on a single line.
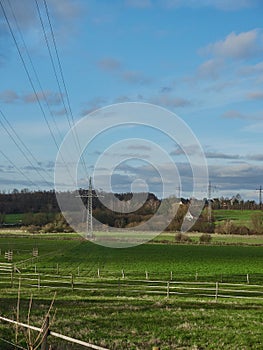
[[13, 218], [239, 217], [142, 321]]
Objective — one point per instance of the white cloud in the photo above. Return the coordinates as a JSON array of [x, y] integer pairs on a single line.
[[252, 69], [210, 69], [109, 64], [53, 98], [170, 101], [11, 96], [219, 155], [8, 96], [236, 46], [135, 77], [254, 128], [234, 114], [255, 95], [224, 5]]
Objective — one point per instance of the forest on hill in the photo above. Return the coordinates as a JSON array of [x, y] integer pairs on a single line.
[[39, 210]]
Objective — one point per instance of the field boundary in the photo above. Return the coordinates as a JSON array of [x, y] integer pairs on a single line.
[[135, 287]]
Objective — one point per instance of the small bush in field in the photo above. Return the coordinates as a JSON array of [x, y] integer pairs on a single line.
[[33, 229], [205, 238], [180, 237]]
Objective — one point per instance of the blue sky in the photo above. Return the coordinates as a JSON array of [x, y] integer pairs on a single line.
[[202, 60]]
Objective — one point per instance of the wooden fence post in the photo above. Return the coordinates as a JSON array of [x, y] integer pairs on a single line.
[[38, 281], [247, 278], [12, 279], [57, 269], [44, 344], [168, 289], [146, 275], [122, 273], [98, 273], [216, 295], [78, 271], [72, 282], [196, 276], [171, 275]]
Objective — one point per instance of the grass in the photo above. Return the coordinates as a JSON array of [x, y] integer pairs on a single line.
[[239, 217], [13, 218], [119, 322], [131, 323]]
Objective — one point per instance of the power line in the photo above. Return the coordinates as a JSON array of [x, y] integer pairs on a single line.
[[23, 144], [19, 170], [31, 82], [64, 84], [28, 75], [34, 70]]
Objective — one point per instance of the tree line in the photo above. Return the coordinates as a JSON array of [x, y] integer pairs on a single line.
[[40, 211]]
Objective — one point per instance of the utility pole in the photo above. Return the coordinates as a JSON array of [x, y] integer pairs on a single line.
[[209, 208], [89, 221], [89, 212], [210, 189], [178, 191], [260, 196]]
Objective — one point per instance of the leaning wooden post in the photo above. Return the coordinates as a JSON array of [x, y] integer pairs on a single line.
[[44, 344], [146, 275], [171, 275], [98, 273], [216, 295]]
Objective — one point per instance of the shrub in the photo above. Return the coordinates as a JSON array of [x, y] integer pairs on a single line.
[[182, 238], [228, 227], [205, 238], [33, 229], [257, 222]]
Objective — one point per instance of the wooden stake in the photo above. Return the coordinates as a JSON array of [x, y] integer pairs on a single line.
[[196, 276], [12, 279], [17, 309], [168, 289], [72, 282], [216, 295]]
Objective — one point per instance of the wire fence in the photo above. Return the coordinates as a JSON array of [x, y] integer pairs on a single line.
[[126, 287]]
